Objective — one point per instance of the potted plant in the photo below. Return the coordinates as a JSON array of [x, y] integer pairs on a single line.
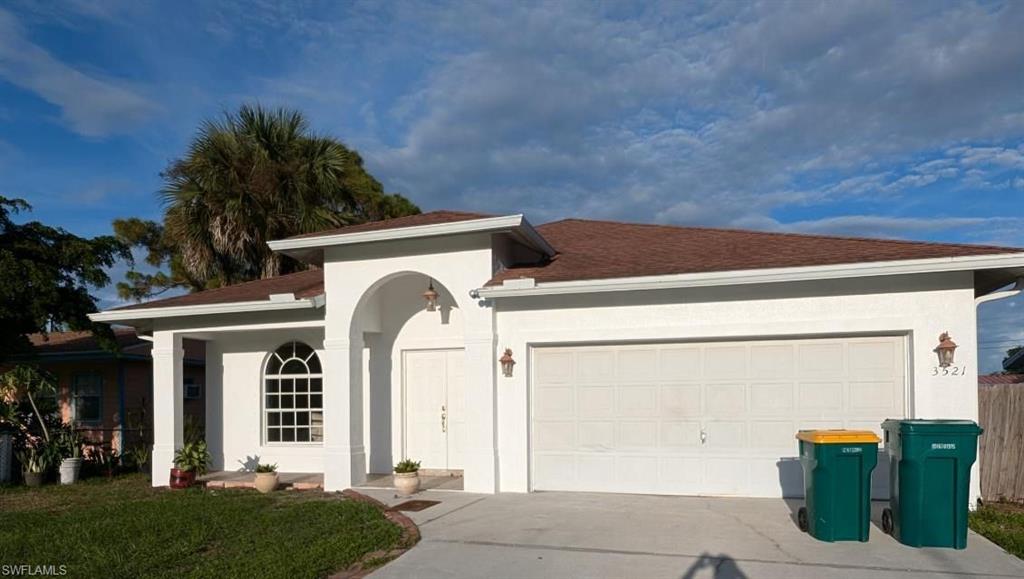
[[34, 461], [190, 461], [69, 445], [266, 477], [407, 477]]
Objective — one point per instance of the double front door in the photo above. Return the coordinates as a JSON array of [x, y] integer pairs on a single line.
[[433, 390]]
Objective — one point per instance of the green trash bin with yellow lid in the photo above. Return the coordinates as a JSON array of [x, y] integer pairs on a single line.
[[837, 467]]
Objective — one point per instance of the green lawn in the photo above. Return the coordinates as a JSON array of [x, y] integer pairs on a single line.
[[1003, 524], [124, 528]]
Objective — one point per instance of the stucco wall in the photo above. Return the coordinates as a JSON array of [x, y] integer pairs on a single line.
[[920, 307], [233, 399]]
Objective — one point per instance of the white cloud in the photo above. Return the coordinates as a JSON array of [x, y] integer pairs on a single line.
[[90, 106], [715, 115]]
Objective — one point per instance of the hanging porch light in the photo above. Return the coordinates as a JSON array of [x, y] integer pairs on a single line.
[[507, 363], [945, 350], [431, 297]]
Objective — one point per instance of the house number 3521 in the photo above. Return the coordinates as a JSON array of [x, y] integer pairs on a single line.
[[949, 371]]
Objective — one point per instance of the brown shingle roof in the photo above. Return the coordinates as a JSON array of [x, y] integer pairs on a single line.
[[431, 218], [1000, 378], [606, 249], [84, 341], [304, 284]]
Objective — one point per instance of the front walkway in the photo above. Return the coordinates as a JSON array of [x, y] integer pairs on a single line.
[[598, 535]]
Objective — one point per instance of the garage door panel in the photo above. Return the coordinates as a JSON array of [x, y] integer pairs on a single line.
[[596, 402], [772, 435], [637, 435], [771, 399], [555, 402], [555, 435], [630, 418], [725, 399], [595, 367], [772, 361], [680, 364], [634, 472], [553, 367], [680, 401], [822, 359], [636, 400], [637, 365], [725, 362], [874, 395], [725, 435], [820, 396], [677, 434]]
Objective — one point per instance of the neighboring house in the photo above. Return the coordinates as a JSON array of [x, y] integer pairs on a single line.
[[648, 359], [106, 395], [991, 379]]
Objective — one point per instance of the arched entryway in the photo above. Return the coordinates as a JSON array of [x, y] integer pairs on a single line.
[[413, 374]]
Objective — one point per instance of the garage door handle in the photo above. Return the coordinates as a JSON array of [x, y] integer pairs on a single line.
[[703, 436], [444, 419]]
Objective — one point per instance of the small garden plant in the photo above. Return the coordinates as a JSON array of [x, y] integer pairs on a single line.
[[260, 468], [407, 466], [193, 457]]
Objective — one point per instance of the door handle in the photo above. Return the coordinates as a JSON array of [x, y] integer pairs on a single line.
[[703, 436], [444, 419]]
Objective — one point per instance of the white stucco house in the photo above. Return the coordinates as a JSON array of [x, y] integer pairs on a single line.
[[648, 359]]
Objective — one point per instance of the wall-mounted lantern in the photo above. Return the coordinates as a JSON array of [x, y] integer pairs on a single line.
[[945, 350], [507, 363], [431, 296]]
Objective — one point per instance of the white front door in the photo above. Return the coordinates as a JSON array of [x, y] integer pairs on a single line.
[[434, 407], [715, 418]]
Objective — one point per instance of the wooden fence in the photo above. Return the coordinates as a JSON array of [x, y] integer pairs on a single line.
[[1001, 414]]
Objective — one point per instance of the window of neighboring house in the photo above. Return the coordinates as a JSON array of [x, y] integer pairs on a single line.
[[87, 397], [293, 396], [193, 390]]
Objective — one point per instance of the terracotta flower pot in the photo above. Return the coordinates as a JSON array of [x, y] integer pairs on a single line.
[[407, 483], [266, 481], [182, 479]]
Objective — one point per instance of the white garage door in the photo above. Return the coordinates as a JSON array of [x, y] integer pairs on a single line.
[[713, 418]]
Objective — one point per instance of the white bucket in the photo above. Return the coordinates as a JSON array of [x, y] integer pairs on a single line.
[[69, 469]]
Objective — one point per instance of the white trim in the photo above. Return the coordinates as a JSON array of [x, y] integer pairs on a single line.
[[751, 276], [487, 224], [207, 309]]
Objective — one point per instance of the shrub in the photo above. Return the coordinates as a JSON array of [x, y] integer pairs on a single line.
[[266, 468], [407, 466]]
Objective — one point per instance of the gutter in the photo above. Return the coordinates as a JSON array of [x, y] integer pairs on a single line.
[[528, 287], [1015, 290], [277, 302], [489, 224]]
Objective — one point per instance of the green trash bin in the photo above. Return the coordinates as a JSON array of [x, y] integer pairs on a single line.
[[837, 468], [929, 480]]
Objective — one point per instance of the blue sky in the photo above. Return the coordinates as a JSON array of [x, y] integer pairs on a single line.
[[861, 118]]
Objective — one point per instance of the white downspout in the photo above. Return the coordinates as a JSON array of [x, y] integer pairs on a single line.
[[1017, 288]]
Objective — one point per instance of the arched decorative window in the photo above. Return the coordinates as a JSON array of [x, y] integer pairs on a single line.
[[293, 396]]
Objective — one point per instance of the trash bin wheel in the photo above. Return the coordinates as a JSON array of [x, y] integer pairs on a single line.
[[887, 521], [801, 519]]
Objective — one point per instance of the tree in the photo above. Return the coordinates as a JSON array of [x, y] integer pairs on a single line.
[[248, 178], [1009, 354], [47, 273]]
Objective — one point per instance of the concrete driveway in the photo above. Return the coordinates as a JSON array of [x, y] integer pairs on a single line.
[[603, 535]]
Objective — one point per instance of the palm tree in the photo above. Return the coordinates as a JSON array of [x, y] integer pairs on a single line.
[[259, 175]]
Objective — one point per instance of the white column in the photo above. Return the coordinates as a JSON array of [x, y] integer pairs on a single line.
[[344, 454], [481, 458], [168, 356]]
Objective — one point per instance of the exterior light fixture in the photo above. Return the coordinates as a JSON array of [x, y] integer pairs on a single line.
[[507, 363], [945, 350], [431, 296]]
